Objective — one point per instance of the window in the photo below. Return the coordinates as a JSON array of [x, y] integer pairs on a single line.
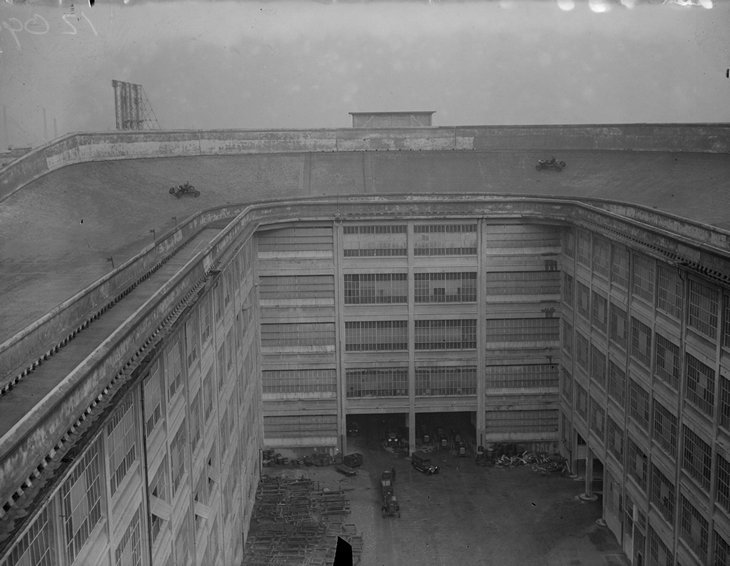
[[192, 337], [598, 366], [724, 402], [598, 418], [723, 482], [37, 546], [446, 380], [619, 265], [568, 289], [721, 551], [298, 335], [582, 349], [599, 311], [616, 383], [300, 426], [121, 441], [178, 456], [659, 553], [152, 400], [618, 330], [523, 283], [522, 421], [601, 255], [642, 282], [522, 330], [569, 243], [636, 463], [704, 305], [700, 385], [158, 488], [662, 494], [640, 341], [377, 382], [195, 422], [567, 336], [639, 405], [694, 529], [376, 288], [297, 287], [520, 376], [584, 248], [173, 371], [81, 500], [582, 302], [567, 384], [375, 240], [129, 550], [445, 287], [456, 334], [667, 361], [205, 316], [615, 439], [669, 291], [726, 321], [697, 460], [380, 335], [321, 380], [581, 401], [445, 239], [665, 428]]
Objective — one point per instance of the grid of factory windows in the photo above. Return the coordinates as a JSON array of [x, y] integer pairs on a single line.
[[662, 493], [697, 457], [700, 385], [444, 239], [639, 405], [296, 287], [724, 402], [658, 551], [693, 528], [446, 380], [36, 547], [618, 326], [669, 291], [121, 442], [458, 334], [667, 362], [640, 341], [376, 288], [375, 240], [299, 426], [619, 265], [704, 305], [642, 283], [636, 463], [723, 482], [320, 380], [300, 334], [377, 382], [616, 383], [665, 428], [459, 287], [522, 330], [522, 282], [376, 335], [522, 421], [523, 376]]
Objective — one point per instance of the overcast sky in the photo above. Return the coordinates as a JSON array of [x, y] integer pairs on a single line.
[[306, 64]]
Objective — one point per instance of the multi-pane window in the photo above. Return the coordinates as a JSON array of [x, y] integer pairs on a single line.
[[662, 494], [640, 341], [636, 463], [522, 330], [667, 361], [614, 439], [173, 370], [704, 306], [598, 366], [458, 334], [152, 400], [619, 265], [298, 335], [726, 321], [208, 388], [721, 550], [377, 382], [599, 311], [129, 550], [582, 349], [665, 428], [569, 243], [298, 287], [178, 456], [376, 335], [581, 401], [376, 288], [300, 426], [195, 426], [618, 326], [669, 291], [445, 239], [628, 514], [158, 488], [723, 482], [659, 553], [81, 500], [567, 384], [446, 380], [192, 337], [639, 404], [568, 289], [700, 385], [375, 240], [567, 336], [522, 282], [616, 383], [601, 255], [517, 376], [460, 287], [205, 319], [697, 457], [584, 248], [642, 282], [321, 380], [582, 300], [512, 421], [724, 402], [37, 546], [121, 442], [598, 418], [693, 529]]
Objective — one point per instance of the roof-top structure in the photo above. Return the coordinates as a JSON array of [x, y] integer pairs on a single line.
[[403, 119]]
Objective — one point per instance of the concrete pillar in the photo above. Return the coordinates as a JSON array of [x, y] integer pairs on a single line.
[[588, 494], [411, 347]]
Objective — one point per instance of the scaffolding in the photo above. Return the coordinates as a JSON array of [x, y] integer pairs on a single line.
[[132, 108]]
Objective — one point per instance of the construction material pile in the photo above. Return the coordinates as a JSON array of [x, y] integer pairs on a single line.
[[538, 462], [296, 522]]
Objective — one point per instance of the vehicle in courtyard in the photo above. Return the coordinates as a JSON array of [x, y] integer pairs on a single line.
[[422, 462], [551, 163], [353, 460], [186, 189], [353, 429], [346, 470], [390, 506]]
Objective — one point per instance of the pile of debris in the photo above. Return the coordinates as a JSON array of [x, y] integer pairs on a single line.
[[538, 462], [295, 521]]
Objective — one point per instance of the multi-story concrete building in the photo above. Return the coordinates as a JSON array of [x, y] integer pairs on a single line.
[[133, 416]]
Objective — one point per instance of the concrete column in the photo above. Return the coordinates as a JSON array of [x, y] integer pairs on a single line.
[[588, 494], [480, 424], [411, 347], [339, 337]]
